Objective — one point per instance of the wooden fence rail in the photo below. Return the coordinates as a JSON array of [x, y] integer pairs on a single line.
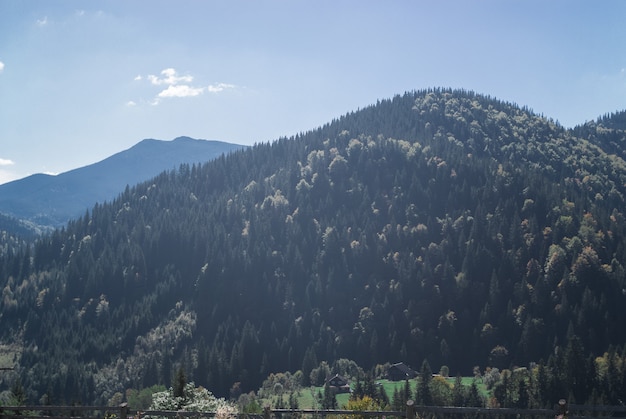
[[412, 412]]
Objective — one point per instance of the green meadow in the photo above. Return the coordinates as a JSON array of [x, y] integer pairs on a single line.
[[308, 397]]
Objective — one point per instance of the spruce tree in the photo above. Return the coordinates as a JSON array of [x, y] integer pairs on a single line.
[[329, 401], [179, 383], [458, 398], [423, 395]]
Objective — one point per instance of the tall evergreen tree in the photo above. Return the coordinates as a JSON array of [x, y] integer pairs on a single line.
[[423, 394], [179, 383]]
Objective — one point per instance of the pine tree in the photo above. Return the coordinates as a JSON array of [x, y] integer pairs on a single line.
[[423, 396], [458, 398], [179, 383], [329, 400], [308, 364], [381, 397], [406, 393], [473, 396], [523, 399]]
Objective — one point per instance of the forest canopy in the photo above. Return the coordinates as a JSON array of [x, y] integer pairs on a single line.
[[439, 224]]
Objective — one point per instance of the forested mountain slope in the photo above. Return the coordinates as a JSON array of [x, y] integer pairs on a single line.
[[440, 225]]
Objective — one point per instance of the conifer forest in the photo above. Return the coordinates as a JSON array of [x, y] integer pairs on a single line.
[[436, 228]]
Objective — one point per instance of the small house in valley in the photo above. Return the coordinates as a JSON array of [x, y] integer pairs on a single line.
[[400, 371], [339, 384]]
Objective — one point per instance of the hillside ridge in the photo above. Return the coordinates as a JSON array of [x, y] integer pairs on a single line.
[[438, 225]]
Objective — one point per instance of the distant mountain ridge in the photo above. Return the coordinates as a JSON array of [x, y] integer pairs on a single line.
[[51, 201]]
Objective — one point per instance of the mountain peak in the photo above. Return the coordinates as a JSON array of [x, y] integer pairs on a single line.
[[185, 138], [53, 200]]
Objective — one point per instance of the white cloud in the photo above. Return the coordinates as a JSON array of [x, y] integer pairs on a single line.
[[177, 86], [1, 66], [181, 90], [6, 162], [42, 22], [131, 103], [219, 87], [169, 77]]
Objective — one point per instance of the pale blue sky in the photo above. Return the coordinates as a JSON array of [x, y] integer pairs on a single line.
[[82, 80]]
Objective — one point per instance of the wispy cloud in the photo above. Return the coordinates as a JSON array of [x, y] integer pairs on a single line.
[[169, 76], [42, 22], [178, 86], [1, 66], [6, 162], [219, 87]]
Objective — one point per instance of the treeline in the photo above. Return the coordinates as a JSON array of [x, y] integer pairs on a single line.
[[439, 225], [568, 374]]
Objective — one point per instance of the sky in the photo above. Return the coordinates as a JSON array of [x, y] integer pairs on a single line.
[[83, 80]]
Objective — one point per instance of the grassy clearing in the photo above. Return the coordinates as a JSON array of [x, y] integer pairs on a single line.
[[391, 386], [307, 398]]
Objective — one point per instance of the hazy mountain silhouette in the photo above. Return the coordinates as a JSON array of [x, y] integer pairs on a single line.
[[50, 201]]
